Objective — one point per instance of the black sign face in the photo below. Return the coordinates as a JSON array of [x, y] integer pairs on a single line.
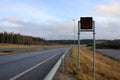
[[86, 22]]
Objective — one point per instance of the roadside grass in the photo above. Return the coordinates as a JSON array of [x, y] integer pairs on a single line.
[[38, 48], [23, 51], [106, 68], [15, 52], [5, 45]]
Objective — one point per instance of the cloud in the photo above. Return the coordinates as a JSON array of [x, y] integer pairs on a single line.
[[112, 9], [48, 30], [27, 11], [109, 32], [107, 20], [12, 20]]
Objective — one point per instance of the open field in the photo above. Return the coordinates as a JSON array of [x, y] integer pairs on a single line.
[[15, 52], [2, 45], [106, 68], [17, 46], [28, 48]]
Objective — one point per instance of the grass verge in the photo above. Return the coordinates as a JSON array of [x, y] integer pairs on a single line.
[[15, 52], [106, 68]]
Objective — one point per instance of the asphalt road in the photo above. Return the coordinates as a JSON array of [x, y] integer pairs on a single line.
[[113, 53], [29, 66]]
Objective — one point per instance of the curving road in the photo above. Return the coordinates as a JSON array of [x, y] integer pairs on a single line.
[[29, 66]]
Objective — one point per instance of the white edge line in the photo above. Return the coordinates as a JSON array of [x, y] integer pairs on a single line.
[[26, 71]]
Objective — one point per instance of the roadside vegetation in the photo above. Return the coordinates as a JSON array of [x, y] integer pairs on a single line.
[[114, 44], [16, 38], [104, 44], [106, 68], [14, 52], [36, 48]]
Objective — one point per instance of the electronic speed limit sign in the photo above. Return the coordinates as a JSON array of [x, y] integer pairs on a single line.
[[86, 23]]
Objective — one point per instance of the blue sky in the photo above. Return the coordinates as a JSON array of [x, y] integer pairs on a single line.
[[52, 19]]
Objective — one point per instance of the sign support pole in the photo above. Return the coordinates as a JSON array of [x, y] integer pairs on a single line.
[[78, 45], [94, 54]]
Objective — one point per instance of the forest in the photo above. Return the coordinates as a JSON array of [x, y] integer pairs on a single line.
[[14, 38]]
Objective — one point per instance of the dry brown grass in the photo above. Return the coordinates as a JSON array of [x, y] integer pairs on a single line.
[[14, 46], [2, 45], [38, 48], [15, 52], [106, 68]]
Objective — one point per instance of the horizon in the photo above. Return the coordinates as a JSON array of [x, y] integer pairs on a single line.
[[58, 39]]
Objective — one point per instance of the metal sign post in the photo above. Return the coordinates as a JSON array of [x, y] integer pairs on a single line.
[[87, 25], [94, 54], [78, 45]]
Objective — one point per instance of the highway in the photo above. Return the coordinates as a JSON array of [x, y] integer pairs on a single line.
[[112, 53], [30, 65]]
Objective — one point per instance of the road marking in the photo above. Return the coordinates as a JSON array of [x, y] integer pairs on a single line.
[[26, 71]]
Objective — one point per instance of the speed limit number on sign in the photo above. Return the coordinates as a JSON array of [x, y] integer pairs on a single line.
[[86, 23]]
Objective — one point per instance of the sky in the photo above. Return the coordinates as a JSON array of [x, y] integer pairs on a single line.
[[53, 19]]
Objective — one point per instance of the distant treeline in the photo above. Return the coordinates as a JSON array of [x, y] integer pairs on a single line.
[[13, 38], [101, 44], [61, 41], [85, 41], [110, 44], [104, 44]]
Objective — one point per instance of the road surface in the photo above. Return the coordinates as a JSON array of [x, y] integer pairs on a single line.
[[113, 53], [30, 65]]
